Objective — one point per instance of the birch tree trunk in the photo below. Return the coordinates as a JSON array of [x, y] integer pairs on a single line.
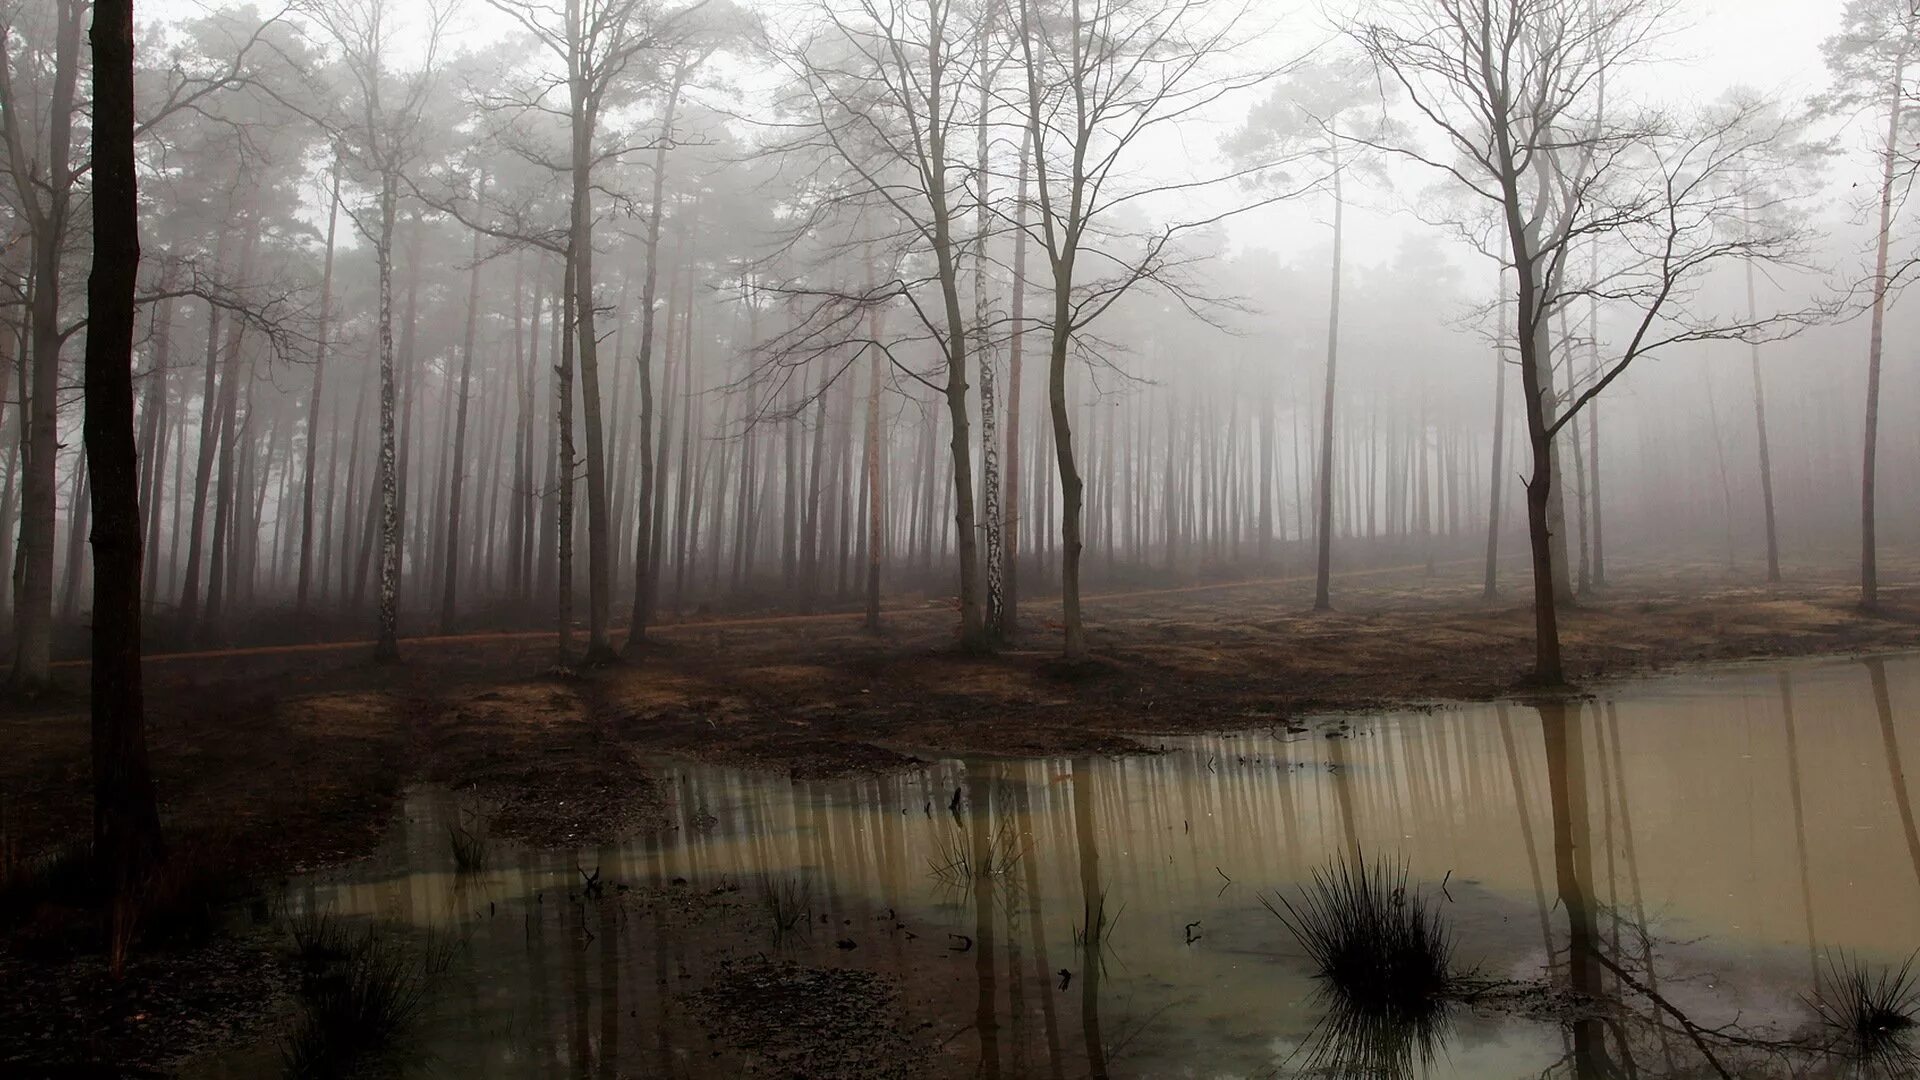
[[386, 647]]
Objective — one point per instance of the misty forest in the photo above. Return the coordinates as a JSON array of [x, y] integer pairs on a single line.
[[959, 538]]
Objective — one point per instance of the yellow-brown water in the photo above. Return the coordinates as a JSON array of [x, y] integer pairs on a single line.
[[1691, 847]]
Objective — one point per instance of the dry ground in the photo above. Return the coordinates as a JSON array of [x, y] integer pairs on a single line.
[[296, 754]]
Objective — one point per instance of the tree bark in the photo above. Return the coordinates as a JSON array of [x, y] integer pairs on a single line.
[[386, 647], [126, 820], [989, 406]]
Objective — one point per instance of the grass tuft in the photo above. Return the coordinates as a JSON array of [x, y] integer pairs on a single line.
[[1871, 1013], [788, 904], [953, 862], [1385, 961], [1096, 925], [359, 993], [470, 848]]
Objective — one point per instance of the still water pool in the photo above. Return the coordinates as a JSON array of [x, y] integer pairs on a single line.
[[1653, 880]]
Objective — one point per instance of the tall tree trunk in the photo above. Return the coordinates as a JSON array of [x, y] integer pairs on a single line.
[[386, 648], [1599, 580], [1760, 429], [313, 403], [1071, 485], [1869, 570], [153, 441], [1010, 573], [563, 426], [450, 584], [16, 456], [126, 820], [76, 539], [1323, 567], [411, 388], [47, 222], [599, 551], [219, 570], [810, 510], [876, 481], [1535, 394], [989, 405], [1496, 483]]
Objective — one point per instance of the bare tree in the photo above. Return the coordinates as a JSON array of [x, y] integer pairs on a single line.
[[1871, 59], [43, 178], [380, 128], [1512, 89], [690, 48], [319, 386], [1099, 81], [883, 90], [1304, 118], [598, 47], [1776, 179]]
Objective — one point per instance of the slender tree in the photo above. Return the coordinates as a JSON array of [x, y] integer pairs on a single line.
[[1870, 59], [380, 126], [1510, 89], [1097, 80]]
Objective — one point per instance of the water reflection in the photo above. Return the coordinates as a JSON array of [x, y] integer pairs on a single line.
[[1692, 829]]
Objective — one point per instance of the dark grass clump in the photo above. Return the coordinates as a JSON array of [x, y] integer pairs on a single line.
[[1096, 924], [470, 848], [954, 862], [789, 906], [1385, 961], [1871, 1014], [360, 993]]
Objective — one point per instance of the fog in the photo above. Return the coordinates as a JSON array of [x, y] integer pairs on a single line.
[[817, 245], [746, 535]]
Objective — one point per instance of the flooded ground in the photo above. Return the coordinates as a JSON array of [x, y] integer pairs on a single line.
[[1647, 883]]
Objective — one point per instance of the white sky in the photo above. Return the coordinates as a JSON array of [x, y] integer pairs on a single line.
[[1770, 45]]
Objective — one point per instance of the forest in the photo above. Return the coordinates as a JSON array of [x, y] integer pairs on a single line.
[[938, 525]]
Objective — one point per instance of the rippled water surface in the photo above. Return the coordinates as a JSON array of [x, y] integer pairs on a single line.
[[1688, 852]]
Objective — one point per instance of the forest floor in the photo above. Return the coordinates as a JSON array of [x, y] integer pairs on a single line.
[[289, 758]]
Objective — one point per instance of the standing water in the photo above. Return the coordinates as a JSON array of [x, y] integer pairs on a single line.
[[1656, 881]]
